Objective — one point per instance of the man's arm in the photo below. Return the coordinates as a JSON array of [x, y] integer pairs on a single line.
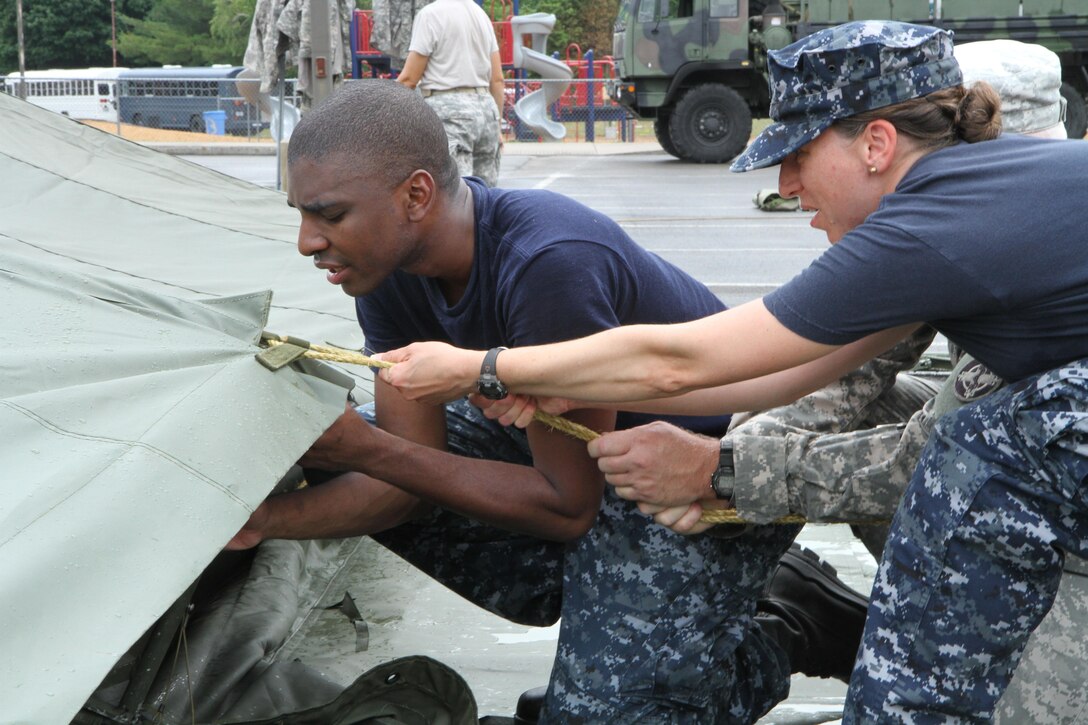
[[557, 498], [497, 87], [351, 504], [414, 67]]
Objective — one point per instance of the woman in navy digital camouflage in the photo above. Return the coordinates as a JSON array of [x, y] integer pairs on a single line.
[[876, 134]]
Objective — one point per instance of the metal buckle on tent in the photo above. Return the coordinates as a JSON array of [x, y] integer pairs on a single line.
[[278, 356]]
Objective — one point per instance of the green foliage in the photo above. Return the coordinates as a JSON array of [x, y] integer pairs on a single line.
[[62, 33], [230, 25], [174, 32], [586, 23], [76, 33], [597, 21]]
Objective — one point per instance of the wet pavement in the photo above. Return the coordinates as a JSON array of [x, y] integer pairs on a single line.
[[408, 613]]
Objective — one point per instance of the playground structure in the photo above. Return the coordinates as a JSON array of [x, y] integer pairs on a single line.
[[568, 90], [532, 108]]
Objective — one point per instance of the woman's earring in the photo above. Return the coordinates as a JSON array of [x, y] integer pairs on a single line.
[[872, 169]]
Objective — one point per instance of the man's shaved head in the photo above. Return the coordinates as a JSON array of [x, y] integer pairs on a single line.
[[382, 127]]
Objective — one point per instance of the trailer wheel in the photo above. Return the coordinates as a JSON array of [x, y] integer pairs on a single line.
[[710, 124], [137, 119], [1076, 116], [661, 130], [196, 123]]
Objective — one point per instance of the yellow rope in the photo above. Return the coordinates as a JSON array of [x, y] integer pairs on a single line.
[[576, 430]]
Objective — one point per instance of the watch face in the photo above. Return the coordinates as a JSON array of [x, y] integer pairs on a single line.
[[491, 389]]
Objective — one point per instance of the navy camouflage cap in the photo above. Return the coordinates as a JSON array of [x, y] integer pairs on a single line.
[[845, 70]]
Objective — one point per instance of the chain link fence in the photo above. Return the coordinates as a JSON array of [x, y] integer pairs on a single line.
[[196, 104], [212, 106], [575, 110]]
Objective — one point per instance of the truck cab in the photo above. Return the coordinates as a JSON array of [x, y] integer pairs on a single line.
[[688, 64], [698, 67]]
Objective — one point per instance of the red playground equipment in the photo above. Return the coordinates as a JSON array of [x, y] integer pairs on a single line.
[[586, 101]]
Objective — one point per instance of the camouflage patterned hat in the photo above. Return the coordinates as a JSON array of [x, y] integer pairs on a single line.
[[1028, 78], [842, 71]]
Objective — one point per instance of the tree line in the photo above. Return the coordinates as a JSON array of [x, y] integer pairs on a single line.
[[78, 33]]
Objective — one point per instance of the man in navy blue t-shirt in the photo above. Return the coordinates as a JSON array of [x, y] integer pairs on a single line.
[[654, 624]]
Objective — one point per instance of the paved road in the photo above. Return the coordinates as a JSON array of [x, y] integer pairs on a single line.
[[698, 217]]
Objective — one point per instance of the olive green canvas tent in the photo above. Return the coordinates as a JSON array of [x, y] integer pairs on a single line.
[[137, 431]]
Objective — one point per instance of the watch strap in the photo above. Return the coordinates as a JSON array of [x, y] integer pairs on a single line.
[[488, 384], [487, 368], [724, 476]]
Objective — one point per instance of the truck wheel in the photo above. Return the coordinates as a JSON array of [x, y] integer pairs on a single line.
[[661, 130], [1076, 116], [710, 124]]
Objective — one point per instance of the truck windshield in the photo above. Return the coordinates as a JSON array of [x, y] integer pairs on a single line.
[[724, 8]]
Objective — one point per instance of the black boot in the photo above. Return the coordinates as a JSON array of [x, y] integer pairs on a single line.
[[813, 615], [529, 705]]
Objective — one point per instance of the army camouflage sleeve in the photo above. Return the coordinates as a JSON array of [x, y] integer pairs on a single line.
[[853, 475], [812, 438]]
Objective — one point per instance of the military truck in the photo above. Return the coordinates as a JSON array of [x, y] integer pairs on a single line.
[[698, 67]]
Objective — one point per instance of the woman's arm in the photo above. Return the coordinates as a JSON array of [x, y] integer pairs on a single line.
[[637, 362], [775, 389], [768, 391]]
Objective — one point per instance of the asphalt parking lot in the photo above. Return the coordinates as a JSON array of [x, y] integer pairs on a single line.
[[700, 217]]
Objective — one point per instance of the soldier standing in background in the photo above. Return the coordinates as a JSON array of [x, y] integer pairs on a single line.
[[453, 59]]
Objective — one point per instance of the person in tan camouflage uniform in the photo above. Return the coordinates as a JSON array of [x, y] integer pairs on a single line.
[[453, 59]]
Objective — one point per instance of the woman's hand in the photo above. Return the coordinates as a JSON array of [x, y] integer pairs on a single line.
[[681, 519], [432, 372], [518, 410]]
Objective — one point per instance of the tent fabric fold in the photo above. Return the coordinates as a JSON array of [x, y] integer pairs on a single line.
[[137, 429]]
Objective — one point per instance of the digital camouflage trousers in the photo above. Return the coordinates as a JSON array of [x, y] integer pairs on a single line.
[[656, 627]]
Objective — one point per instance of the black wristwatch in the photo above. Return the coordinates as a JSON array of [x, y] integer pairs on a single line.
[[488, 383], [724, 475]]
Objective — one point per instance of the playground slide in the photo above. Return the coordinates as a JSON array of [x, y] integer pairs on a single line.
[[291, 117], [533, 108]]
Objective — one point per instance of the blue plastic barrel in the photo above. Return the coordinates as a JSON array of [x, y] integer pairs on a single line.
[[215, 122]]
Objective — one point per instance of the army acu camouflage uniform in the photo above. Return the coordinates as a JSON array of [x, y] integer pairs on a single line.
[[656, 627], [843, 454], [471, 120], [392, 29]]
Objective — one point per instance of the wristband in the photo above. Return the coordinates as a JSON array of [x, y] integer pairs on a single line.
[[488, 383]]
